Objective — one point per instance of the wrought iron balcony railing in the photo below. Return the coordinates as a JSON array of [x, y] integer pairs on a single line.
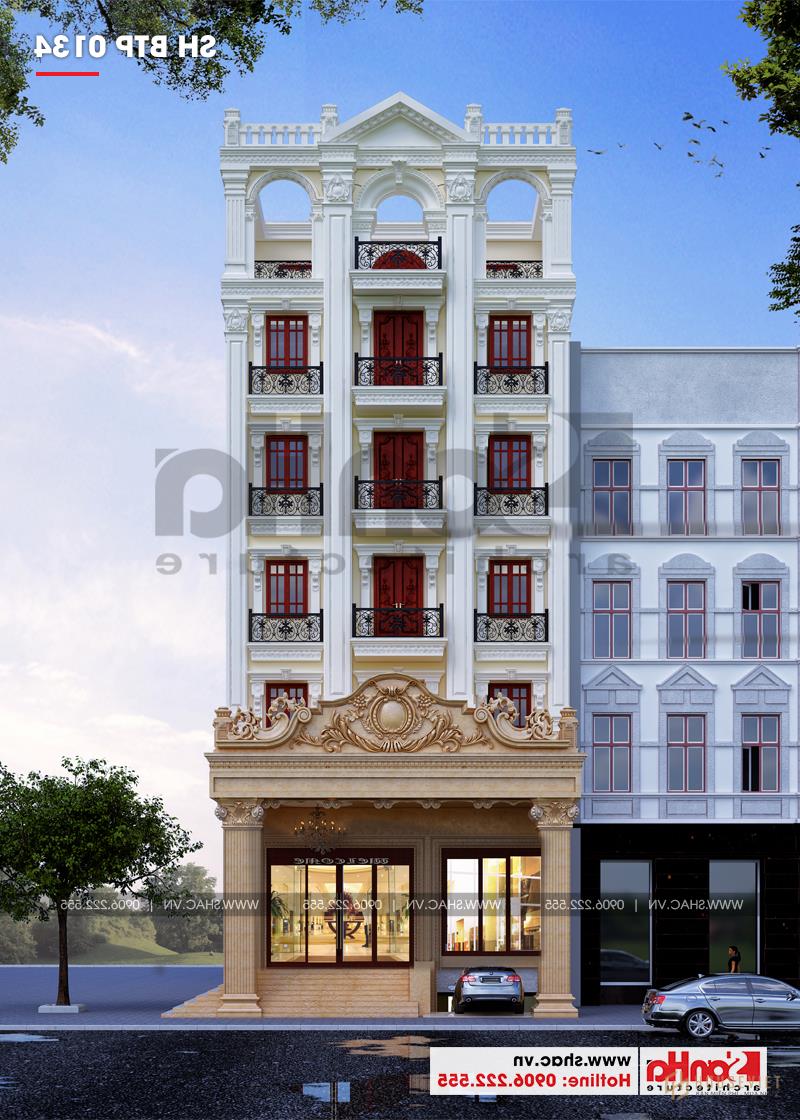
[[398, 254], [398, 371], [510, 381], [282, 270], [398, 493], [265, 502], [285, 627], [299, 381], [398, 622], [511, 627], [511, 503], [514, 270]]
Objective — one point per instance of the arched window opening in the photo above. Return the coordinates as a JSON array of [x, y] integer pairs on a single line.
[[513, 231], [400, 208], [283, 231]]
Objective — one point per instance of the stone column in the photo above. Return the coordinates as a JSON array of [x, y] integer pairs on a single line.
[[236, 344], [243, 887], [554, 820]]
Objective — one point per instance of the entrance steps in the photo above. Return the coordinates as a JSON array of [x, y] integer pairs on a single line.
[[318, 993]]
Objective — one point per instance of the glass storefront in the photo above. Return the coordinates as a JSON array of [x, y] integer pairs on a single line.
[[342, 909], [733, 892], [492, 903], [625, 921]]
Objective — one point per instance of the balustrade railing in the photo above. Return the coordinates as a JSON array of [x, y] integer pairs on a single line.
[[398, 254], [511, 627], [285, 627], [511, 503], [265, 502], [286, 380], [398, 622], [514, 270], [511, 381], [398, 493], [398, 371], [282, 270]]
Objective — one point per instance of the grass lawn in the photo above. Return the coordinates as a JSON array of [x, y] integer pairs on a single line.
[[138, 951]]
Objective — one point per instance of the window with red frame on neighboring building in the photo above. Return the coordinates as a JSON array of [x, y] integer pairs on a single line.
[[761, 619], [611, 496], [761, 496], [686, 618], [611, 619], [686, 753], [686, 496], [611, 750], [761, 754]]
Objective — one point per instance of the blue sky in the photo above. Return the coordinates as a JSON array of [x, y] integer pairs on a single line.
[[112, 334]]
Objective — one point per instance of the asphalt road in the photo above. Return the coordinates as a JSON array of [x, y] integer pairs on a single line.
[[245, 1075]]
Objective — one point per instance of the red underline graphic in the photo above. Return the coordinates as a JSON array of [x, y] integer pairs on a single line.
[[67, 73]]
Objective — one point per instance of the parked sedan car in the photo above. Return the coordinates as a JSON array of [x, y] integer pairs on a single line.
[[726, 1002], [484, 985]]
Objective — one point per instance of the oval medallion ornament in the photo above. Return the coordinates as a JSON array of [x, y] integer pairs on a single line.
[[392, 716]]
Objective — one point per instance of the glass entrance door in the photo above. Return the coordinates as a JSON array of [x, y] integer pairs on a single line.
[[340, 910]]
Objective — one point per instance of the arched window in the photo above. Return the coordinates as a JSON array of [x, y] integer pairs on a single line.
[[283, 231], [512, 201], [283, 200], [400, 208]]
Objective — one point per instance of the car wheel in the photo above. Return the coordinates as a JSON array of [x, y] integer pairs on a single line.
[[698, 1024]]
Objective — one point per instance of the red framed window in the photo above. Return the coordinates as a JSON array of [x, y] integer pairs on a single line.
[[761, 619], [761, 496], [686, 754], [509, 587], [761, 744], [518, 694], [292, 691], [686, 618], [286, 462], [286, 341], [509, 462], [611, 752], [611, 495], [611, 619], [509, 341], [686, 496], [286, 586]]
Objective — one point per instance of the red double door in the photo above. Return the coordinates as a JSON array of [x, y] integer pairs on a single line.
[[398, 470], [398, 596], [398, 347]]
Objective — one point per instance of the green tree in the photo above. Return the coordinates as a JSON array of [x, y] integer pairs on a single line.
[[196, 927], [64, 836], [776, 77], [240, 28], [17, 945]]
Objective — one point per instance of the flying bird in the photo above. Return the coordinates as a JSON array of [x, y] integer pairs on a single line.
[[698, 124], [710, 128], [596, 151], [718, 175], [725, 122], [687, 117], [621, 145], [693, 141], [659, 146]]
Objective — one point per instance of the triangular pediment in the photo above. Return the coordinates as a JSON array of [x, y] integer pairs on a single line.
[[396, 123], [760, 677], [613, 678], [687, 677]]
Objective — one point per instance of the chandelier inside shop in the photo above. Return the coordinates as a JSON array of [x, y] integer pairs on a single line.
[[320, 833]]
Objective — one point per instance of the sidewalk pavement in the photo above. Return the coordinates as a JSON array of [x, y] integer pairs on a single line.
[[132, 997]]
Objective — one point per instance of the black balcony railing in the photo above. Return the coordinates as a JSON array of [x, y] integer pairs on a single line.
[[398, 371], [282, 270], [265, 502], [398, 493], [514, 270], [294, 381], [285, 627], [398, 254], [398, 622], [511, 627], [511, 503], [506, 381]]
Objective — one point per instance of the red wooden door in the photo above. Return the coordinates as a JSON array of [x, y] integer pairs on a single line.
[[398, 470], [398, 347], [398, 596]]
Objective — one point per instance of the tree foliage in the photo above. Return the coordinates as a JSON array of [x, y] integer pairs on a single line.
[[195, 930], [63, 836], [240, 27]]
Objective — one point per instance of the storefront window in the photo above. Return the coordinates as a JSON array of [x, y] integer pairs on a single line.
[[392, 917], [733, 890], [287, 913], [493, 903], [625, 922]]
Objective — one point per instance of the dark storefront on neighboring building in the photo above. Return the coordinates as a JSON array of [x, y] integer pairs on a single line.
[[674, 897]]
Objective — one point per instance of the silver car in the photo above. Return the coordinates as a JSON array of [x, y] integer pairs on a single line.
[[726, 1002], [488, 985]]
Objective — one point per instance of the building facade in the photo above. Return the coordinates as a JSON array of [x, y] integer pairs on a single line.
[[686, 487], [397, 732]]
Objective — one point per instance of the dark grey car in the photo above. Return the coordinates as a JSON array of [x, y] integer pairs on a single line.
[[726, 1002], [488, 985]]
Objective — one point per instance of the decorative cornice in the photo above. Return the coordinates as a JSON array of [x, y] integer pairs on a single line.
[[554, 813], [239, 814]]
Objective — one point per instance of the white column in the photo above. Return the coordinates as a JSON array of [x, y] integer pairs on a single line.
[[314, 325], [316, 241], [539, 568], [481, 454], [257, 572], [482, 323], [539, 445], [234, 183], [257, 319], [431, 448], [480, 242], [558, 467], [314, 448], [432, 572], [483, 580], [257, 445], [365, 566], [459, 261], [539, 321], [365, 443], [314, 570], [431, 329], [250, 238], [365, 340], [561, 227], [236, 584], [337, 257]]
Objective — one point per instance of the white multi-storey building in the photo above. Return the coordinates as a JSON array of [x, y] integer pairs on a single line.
[[686, 643], [396, 394]]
